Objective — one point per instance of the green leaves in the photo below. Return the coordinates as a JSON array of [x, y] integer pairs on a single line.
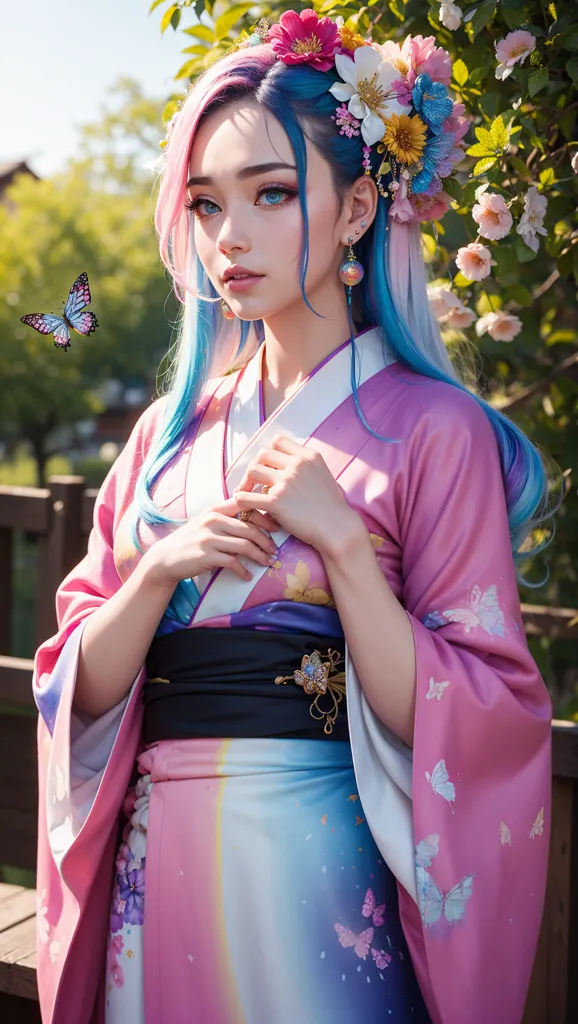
[[231, 16], [537, 80], [460, 73], [492, 143]]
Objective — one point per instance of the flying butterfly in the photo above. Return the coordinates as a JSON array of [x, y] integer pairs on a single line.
[[74, 316]]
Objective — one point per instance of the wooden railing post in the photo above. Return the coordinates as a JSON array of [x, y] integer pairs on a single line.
[[6, 587], [60, 550]]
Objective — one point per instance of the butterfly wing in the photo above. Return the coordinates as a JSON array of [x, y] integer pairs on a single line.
[[456, 899], [466, 616], [430, 897], [538, 826], [440, 782], [346, 936], [85, 322], [382, 959], [368, 903], [62, 337], [78, 296], [363, 942], [490, 614], [45, 323], [378, 917], [427, 850]]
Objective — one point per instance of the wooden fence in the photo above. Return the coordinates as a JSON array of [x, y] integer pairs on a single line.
[[60, 518]]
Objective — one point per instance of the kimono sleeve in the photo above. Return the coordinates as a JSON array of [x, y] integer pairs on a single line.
[[74, 749], [481, 758]]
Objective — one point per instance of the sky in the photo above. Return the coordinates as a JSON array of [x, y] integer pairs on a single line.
[[57, 60]]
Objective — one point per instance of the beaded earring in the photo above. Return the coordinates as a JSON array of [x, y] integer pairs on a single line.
[[227, 311], [351, 271]]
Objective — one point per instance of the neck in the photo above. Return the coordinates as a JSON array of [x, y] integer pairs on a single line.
[[296, 341]]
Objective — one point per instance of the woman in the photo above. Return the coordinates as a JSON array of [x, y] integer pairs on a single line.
[[298, 610]]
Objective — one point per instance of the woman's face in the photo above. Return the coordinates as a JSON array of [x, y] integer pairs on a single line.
[[243, 186]]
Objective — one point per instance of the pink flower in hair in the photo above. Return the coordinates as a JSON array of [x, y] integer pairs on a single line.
[[429, 59], [430, 207], [401, 208], [456, 123], [416, 56], [305, 39]]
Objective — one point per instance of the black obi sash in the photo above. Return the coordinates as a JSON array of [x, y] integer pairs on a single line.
[[221, 683]]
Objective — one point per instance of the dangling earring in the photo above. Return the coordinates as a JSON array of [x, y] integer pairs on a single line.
[[351, 271], [227, 311]]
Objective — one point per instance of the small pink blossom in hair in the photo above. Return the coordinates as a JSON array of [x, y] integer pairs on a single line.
[[492, 216], [346, 122], [515, 47], [430, 207], [305, 39], [500, 326], [403, 90], [401, 208], [475, 261]]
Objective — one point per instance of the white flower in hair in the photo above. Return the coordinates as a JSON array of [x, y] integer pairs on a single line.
[[367, 85]]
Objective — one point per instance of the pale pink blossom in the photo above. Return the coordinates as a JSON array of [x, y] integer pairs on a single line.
[[448, 309], [532, 220], [451, 16], [500, 326], [401, 209], [513, 49], [492, 216], [475, 261]]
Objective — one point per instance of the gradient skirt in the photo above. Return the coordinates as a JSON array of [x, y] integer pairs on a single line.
[[248, 890]]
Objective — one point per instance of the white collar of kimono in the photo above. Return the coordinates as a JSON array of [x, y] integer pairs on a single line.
[[241, 435]]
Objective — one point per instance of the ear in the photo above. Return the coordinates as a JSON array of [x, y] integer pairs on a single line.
[[360, 205]]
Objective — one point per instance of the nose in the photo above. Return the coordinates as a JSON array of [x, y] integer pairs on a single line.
[[231, 237]]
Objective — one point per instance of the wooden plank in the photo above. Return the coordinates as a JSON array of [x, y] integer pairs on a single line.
[[565, 749], [558, 901], [541, 620], [88, 500], [14, 1010], [17, 945], [17, 907], [26, 508], [16, 681], [6, 576]]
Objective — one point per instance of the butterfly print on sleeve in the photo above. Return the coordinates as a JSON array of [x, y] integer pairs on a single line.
[[370, 909], [483, 611], [361, 941]]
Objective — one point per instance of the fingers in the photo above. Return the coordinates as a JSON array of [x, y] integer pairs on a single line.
[[251, 532], [248, 549]]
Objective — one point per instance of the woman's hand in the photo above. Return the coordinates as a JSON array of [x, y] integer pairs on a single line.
[[301, 494], [212, 540]]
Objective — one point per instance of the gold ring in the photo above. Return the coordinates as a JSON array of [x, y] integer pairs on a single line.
[[246, 515]]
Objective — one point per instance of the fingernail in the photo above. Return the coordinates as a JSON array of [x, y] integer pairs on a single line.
[[272, 559], [248, 575]]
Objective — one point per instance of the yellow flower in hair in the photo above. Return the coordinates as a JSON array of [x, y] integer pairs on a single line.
[[350, 40], [405, 137]]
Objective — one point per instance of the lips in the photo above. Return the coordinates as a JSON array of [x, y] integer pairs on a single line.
[[239, 272]]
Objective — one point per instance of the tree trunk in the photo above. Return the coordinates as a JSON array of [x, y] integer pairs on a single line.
[[37, 434]]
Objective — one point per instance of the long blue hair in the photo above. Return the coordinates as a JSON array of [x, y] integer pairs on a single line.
[[392, 295]]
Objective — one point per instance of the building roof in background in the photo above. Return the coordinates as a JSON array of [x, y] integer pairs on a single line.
[[10, 169]]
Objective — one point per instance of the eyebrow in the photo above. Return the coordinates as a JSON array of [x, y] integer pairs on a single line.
[[246, 172]]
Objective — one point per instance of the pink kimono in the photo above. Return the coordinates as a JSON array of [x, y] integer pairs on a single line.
[[463, 819]]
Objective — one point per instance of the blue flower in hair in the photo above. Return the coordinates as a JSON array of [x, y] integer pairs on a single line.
[[432, 102], [437, 149]]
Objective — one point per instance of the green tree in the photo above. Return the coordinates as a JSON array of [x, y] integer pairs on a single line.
[[96, 216], [523, 134]]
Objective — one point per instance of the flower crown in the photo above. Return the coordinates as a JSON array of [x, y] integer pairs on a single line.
[[395, 97]]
